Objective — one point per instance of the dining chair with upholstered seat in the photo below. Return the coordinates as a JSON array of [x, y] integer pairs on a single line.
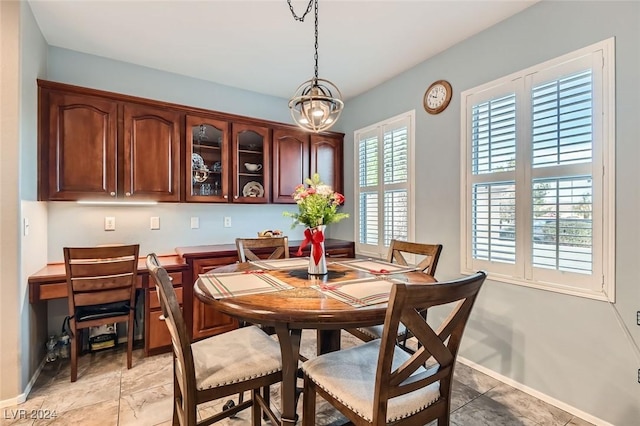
[[247, 246], [240, 360], [430, 254], [379, 383], [101, 285]]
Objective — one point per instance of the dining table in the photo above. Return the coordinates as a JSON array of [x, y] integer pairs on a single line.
[[280, 293]]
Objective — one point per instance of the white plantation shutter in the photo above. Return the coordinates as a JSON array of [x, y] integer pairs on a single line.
[[538, 193], [384, 198]]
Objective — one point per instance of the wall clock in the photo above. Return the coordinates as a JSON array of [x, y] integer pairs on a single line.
[[437, 97]]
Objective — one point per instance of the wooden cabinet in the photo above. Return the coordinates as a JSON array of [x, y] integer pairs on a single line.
[[156, 334], [207, 160], [327, 158], [96, 147], [297, 155], [206, 320], [81, 152], [151, 158], [251, 168]]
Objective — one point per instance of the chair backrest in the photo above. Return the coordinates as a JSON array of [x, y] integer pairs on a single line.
[[245, 247], [431, 252], [99, 275], [184, 369], [438, 347]]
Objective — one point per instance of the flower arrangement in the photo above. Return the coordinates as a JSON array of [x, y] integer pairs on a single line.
[[317, 204]]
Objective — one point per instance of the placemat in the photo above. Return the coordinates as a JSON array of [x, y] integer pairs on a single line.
[[361, 292], [232, 284], [291, 263], [374, 266]]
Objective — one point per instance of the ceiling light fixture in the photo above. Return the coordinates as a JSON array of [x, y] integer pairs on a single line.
[[316, 104]]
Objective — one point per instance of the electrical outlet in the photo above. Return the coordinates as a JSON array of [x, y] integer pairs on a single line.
[[638, 317], [109, 223], [638, 375], [227, 221], [154, 223], [195, 222]]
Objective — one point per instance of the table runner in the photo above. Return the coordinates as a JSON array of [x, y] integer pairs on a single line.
[[374, 266], [361, 292], [232, 284], [291, 263]]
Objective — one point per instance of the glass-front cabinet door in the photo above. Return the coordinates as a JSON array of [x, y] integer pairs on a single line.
[[207, 160], [250, 147]]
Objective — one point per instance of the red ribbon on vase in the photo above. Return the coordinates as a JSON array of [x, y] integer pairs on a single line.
[[315, 237]]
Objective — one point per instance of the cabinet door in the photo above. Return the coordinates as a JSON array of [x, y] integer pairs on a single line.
[[82, 147], [251, 164], [326, 159], [206, 320], [290, 163], [207, 160], [151, 153]]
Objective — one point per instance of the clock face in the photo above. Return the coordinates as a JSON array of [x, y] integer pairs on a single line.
[[437, 97]]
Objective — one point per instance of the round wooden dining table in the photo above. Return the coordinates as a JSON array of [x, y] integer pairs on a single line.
[[302, 307]]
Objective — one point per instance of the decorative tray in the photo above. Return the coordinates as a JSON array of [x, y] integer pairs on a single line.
[[253, 189]]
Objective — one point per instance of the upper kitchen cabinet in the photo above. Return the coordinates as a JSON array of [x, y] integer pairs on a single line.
[[290, 162], [251, 163], [207, 159], [297, 155], [327, 158], [79, 148], [151, 160], [93, 146]]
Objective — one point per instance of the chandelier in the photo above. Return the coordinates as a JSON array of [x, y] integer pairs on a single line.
[[316, 104]]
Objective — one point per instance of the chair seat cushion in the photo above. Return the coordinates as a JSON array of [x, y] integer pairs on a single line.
[[375, 332], [235, 356], [105, 310], [349, 375]]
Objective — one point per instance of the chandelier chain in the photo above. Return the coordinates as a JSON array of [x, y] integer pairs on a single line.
[[315, 56], [300, 18]]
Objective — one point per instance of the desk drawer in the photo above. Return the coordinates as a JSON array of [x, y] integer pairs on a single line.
[[158, 333], [154, 303]]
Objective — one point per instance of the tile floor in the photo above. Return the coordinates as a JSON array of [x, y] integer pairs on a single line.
[[106, 393]]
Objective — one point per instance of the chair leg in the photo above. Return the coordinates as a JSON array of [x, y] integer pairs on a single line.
[[176, 398], [130, 330], [255, 408], [266, 395], [308, 403], [74, 353]]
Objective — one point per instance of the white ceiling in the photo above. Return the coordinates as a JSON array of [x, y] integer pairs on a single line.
[[257, 45]]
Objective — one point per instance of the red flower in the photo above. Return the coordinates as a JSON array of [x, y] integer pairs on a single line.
[[339, 198]]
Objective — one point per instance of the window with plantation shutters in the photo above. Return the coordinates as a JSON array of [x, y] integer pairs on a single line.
[[539, 187], [384, 200]]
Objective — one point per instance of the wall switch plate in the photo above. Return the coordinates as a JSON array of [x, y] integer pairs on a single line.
[[227, 221], [154, 223], [25, 229], [195, 222], [109, 223]]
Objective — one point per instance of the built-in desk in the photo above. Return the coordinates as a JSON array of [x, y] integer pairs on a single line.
[[184, 267]]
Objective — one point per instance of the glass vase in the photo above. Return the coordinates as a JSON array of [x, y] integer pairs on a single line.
[[317, 259]]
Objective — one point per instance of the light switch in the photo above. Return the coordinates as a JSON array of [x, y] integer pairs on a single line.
[[155, 223], [25, 226], [195, 222]]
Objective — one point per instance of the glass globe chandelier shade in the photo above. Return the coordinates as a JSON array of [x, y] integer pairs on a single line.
[[316, 105]]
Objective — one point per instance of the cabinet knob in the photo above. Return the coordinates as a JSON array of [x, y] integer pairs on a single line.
[[226, 197], [235, 197], [161, 318], [113, 194], [127, 194]]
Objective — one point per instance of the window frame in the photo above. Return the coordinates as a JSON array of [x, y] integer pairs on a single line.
[[600, 284], [380, 250]]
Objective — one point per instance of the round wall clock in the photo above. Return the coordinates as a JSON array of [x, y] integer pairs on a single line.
[[437, 97]]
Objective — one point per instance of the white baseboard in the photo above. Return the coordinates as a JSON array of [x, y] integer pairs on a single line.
[[537, 394], [19, 399]]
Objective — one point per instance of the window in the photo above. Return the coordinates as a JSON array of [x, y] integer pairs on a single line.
[[384, 195], [538, 190]]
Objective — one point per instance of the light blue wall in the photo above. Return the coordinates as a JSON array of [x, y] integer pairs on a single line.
[[569, 348]]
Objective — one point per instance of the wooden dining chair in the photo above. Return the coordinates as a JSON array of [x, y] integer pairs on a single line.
[[378, 383], [430, 254], [246, 247], [240, 360], [101, 284]]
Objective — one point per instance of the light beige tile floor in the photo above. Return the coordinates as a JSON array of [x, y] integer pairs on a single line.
[[106, 393]]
